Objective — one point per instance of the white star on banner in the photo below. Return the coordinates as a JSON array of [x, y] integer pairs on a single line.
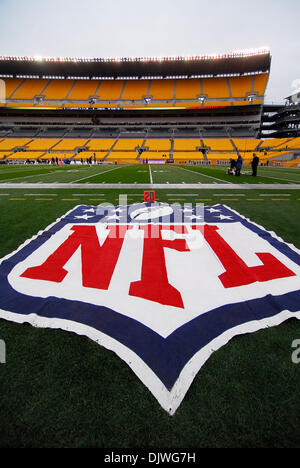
[[194, 217], [223, 217], [212, 210], [84, 217]]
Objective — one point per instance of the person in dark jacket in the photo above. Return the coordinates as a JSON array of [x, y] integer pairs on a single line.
[[231, 169], [239, 163], [254, 164]]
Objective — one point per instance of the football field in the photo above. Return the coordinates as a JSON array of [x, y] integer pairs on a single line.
[[143, 174], [59, 389]]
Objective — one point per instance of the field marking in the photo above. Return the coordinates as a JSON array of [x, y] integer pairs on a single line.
[[229, 195], [150, 174], [117, 199], [42, 199], [182, 194], [70, 199], [280, 199], [204, 175], [278, 178], [229, 199], [94, 175], [274, 194], [40, 194], [20, 170], [254, 199], [18, 199], [145, 186], [274, 170], [133, 194], [88, 195], [27, 177]]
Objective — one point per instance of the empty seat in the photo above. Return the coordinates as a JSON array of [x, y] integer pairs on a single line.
[[83, 89], [162, 89], [135, 90], [215, 88]]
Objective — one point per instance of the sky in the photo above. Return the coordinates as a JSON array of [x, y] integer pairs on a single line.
[[139, 28]]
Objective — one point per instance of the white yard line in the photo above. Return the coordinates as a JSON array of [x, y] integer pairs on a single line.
[[150, 174], [204, 175], [229, 195], [274, 194], [88, 194], [7, 171], [279, 178], [39, 194], [94, 175], [26, 177]]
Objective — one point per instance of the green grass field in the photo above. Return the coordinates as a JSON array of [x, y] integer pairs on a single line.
[[59, 389], [143, 174]]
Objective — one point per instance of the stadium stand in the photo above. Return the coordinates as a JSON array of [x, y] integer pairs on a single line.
[[188, 89], [25, 155], [158, 144], [205, 109], [135, 90], [58, 90], [128, 149], [125, 144], [7, 144], [83, 90], [260, 83], [110, 90], [197, 81], [70, 144], [151, 93], [101, 144], [216, 88], [29, 88], [292, 163]]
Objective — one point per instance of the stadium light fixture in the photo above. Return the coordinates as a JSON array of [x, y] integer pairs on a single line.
[[202, 99], [214, 56], [251, 97]]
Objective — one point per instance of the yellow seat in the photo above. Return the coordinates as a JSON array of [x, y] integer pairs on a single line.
[[58, 89], [135, 90], [215, 88], [83, 89], [162, 89]]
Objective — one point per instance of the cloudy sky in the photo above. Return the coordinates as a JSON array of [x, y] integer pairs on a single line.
[[135, 28]]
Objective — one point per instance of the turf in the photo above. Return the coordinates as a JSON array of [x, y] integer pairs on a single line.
[[143, 174], [63, 390]]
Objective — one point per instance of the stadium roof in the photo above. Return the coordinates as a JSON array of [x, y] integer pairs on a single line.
[[230, 64]]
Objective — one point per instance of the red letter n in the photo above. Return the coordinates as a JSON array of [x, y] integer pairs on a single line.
[[98, 262]]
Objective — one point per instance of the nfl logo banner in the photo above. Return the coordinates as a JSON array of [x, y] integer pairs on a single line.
[[163, 286]]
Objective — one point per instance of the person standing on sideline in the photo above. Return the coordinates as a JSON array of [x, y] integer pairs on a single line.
[[254, 164], [238, 166]]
